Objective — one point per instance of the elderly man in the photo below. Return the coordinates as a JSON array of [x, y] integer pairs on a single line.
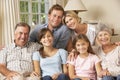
[[15, 59]]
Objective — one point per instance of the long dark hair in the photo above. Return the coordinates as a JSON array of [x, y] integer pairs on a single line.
[[83, 37], [41, 34]]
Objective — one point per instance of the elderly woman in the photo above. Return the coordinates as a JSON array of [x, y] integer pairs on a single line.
[[109, 53]]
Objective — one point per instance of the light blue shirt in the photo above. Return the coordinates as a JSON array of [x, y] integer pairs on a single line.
[[61, 35], [53, 64]]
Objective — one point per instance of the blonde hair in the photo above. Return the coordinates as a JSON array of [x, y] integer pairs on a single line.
[[71, 14]]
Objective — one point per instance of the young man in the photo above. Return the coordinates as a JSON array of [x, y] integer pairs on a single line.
[[61, 32], [16, 58]]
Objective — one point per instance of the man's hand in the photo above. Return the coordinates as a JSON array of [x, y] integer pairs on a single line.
[[11, 75]]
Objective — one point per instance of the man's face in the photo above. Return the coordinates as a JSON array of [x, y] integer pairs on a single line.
[[21, 35], [55, 18]]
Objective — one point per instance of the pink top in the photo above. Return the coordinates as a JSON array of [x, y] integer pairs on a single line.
[[85, 67]]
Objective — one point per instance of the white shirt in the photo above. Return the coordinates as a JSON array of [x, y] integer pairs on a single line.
[[111, 60]]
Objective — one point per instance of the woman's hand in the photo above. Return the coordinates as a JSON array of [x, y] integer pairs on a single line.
[[55, 76], [34, 74], [105, 72], [117, 43]]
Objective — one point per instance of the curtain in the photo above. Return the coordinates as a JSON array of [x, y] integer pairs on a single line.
[[9, 11]]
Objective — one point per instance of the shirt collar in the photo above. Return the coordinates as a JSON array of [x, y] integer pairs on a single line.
[[16, 46], [56, 28]]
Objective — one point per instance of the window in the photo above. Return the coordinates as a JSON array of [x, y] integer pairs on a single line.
[[33, 11]]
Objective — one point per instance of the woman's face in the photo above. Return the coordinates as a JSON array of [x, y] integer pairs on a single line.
[[47, 39], [82, 46], [103, 37], [71, 22]]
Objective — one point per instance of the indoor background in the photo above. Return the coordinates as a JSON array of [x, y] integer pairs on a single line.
[[106, 11]]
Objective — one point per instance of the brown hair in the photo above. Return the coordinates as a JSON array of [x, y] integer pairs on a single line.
[[22, 24], [56, 7], [83, 37], [42, 32]]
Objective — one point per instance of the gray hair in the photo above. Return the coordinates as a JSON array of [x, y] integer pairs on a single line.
[[103, 27]]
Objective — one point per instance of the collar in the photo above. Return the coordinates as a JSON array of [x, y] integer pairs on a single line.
[[16, 46], [56, 28]]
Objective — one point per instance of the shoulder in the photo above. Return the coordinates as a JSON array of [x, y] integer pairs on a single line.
[[94, 56], [9, 46], [92, 27], [36, 56], [64, 28], [40, 26], [36, 53], [62, 51], [34, 45], [117, 49]]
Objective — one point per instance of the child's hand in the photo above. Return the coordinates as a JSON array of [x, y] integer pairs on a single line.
[[85, 78], [55, 76]]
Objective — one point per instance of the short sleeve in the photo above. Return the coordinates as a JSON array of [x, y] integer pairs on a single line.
[[36, 56], [63, 54], [3, 56], [96, 59], [118, 55], [72, 62]]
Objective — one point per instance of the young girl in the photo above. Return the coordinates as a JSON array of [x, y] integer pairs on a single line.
[[87, 65], [49, 60]]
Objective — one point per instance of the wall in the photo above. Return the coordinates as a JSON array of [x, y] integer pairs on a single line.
[[107, 11]]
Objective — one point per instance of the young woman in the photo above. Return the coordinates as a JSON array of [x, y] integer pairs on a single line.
[[109, 53], [73, 22], [49, 60], [87, 65]]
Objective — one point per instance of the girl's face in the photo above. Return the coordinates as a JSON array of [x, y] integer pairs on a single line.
[[82, 46], [71, 22], [103, 37], [47, 39]]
